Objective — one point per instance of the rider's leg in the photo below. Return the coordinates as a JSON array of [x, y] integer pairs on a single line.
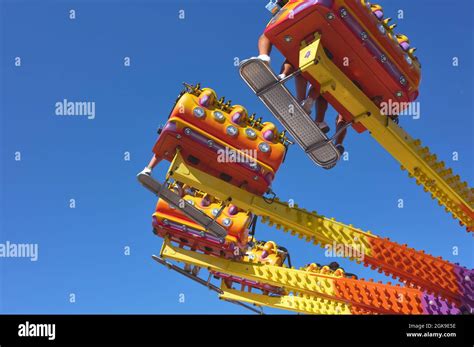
[[264, 48], [151, 165], [321, 108], [286, 69], [340, 122], [309, 101], [300, 85]]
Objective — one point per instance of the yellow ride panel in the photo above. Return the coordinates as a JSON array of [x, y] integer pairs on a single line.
[[291, 279], [301, 303]]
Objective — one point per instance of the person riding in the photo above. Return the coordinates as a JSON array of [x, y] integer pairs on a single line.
[[307, 100]]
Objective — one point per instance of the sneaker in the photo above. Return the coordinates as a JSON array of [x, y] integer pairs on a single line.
[[281, 76], [265, 58], [323, 126], [307, 104], [146, 171], [340, 148]]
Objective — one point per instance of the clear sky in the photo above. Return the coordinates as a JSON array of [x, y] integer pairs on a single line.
[[81, 249]]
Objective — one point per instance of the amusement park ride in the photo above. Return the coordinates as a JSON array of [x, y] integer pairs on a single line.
[[207, 209]]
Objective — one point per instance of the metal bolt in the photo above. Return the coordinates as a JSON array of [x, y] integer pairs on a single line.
[[219, 116], [264, 147], [382, 28], [199, 112], [250, 133], [231, 130]]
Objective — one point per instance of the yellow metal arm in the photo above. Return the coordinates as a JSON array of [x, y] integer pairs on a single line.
[[302, 303], [294, 280], [440, 181], [298, 221], [369, 296], [417, 268]]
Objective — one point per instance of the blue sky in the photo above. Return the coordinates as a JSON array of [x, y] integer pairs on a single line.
[[81, 250]]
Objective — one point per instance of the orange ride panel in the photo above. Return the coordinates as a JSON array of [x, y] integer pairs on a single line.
[[222, 141], [170, 221]]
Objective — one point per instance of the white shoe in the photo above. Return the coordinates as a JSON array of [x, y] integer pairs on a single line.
[[281, 76], [265, 58], [146, 171], [323, 126], [307, 104]]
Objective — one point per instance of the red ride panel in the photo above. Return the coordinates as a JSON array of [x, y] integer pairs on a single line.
[[373, 61], [198, 154]]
